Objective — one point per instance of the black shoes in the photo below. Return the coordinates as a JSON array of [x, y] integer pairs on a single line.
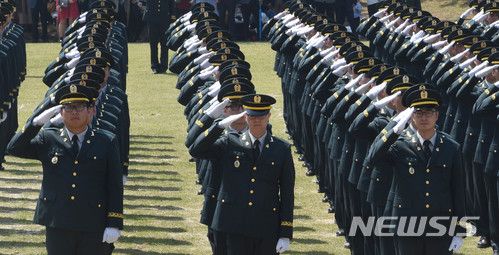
[[340, 232], [484, 242]]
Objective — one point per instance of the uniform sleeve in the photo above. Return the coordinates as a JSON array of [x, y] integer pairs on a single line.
[[286, 188], [25, 142], [114, 187], [209, 144], [485, 106], [382, 148]]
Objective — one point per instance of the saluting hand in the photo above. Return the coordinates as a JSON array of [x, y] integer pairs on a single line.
[[45, 116]]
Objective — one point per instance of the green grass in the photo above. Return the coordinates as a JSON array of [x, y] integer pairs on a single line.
[[161, 205]]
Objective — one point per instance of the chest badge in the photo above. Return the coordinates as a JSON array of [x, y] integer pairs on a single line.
[[55, 159], [411, 170], [237, 163]]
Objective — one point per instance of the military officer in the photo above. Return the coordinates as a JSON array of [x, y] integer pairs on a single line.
[[158, 16], [427, 174], [81, 198], [256, 198]]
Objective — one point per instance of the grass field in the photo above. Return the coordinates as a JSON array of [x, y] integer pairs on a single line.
[[161, 205]]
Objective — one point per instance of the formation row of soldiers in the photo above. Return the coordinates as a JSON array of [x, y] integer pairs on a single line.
[[342, 96], [13, 66], [85, 159], [242, 201]]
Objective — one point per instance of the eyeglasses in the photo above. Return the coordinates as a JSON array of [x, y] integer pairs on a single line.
[[234, 107], [78, 108], [427, 114]]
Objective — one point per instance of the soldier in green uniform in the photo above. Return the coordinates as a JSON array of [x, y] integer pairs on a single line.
[[427, 174], [256, 199], [81, 198]]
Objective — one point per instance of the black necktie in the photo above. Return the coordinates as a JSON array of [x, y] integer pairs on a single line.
[[256, 149], [74, 145], [426, 148]]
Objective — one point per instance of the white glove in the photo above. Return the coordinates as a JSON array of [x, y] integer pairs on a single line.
[[399, 28], [408, 29], [3, 117], [338, 63], [353, 82], [193, 46], [381, 103], [467, 62], [392, 23], [292, 23], [478, 68], [456, 243], [203, 57], [57, 119], [386, 18], [227, 121], [45, 116], [342, 70], [282, 245], [330, 55], [376, 90], [363, 88], [480, 17], [72, 54], [496, 84], [124, 179], [214, 89], [459, 56], [281, 14], [482, 73], [327, 51], [417, 36], [407, 113], [445, 49], [379, 13], [111, 235], [71, 64], [202, 50], [205, 64], [466, 13], [205, 74], [191, 27], [430, 38], [216, 111], [438, 45]]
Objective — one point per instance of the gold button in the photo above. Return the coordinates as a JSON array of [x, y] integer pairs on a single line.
[[273, 209], [252, 179], [74, 186], [212, 196], [367, 167], [237, 156], [427, 194], [74, 173], [445, 165], [427, 182], [95, 157], [377, 179], [272, 163], [427, 170], [471, 134], [410, 163], [458, 121], [338, 138], [250, 204], [251, 192], [483, 141], [99, 205], [427, 206], [223, 200], [72, 198], [254, 168], [44, 199], [495, 151], [400, 206], [356, 160], [76, 162], [450, 210]]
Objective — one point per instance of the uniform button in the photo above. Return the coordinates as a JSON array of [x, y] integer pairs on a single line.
[[338, 138], [400, 206], [483, 141], [471, 134], [427, 182], [44, 199], [450, 210], [223, 200], [273, 209], [427, 194], [356, 160], [251, 192], [252, 179], [458, 121], [428, 170], [367, 167], [495, 151], [74, 186], [99, 205], [250, 203], [254, 168], [76, 162], [74, 173], [72, 197], [427, 206], [212, 196], [377, 179]]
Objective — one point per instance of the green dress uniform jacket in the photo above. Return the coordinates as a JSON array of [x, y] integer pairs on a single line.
[[81, 192], [256, 196]]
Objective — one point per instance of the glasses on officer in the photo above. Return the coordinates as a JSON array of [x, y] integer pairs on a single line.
[[426, 114], [234, 107], [78, 107]]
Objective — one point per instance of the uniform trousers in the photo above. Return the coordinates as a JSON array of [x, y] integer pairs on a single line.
[[68, 242], [157, 35], [423, 245], [243, 245]]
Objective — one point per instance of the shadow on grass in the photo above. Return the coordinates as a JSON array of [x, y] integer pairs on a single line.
[[459, 3], [308, 241], [157, 217], [11, 221], [140, 142], [147, 163], [23, 180], [152, 240], [10, 232], [150, 136], [149, 187], [132, 197], [157, 207], [147, 179], [23, 172], [302, 229], [156, 172], [30, 163], [15, 209], [311, 252], [138, 252], [19, 190], [302, 217], [134, 155], [18, 199], [133, 148], [13, 244], [134, 228]]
